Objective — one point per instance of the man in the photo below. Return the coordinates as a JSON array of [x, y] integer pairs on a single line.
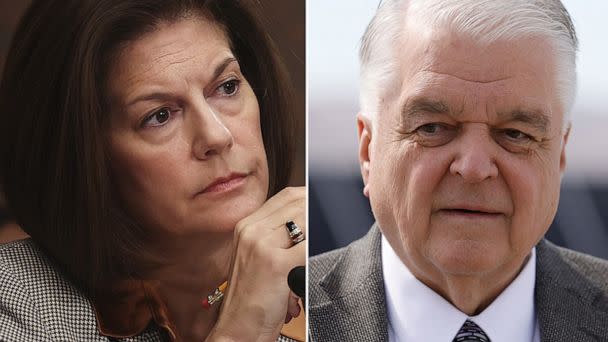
[[462, 134]]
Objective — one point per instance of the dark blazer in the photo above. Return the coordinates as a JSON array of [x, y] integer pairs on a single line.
[[347, 300]]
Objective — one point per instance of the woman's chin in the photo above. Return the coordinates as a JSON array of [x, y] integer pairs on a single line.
[[223, 217]]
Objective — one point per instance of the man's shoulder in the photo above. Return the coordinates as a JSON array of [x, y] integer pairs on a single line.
[[320, 265], [583, 266], [343, 281], [571, 290], [344, 271]]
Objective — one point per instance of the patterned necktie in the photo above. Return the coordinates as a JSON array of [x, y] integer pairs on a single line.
[[471, 332]]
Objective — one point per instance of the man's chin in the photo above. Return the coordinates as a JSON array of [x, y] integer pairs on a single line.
[[467, 258]]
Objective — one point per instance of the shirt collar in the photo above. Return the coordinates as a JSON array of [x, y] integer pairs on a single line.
[[414, 309]]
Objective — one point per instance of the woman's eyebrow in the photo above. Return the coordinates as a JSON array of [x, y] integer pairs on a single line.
[[217, 71]]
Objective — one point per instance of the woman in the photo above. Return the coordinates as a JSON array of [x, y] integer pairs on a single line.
[[9, 230], [145, 144]]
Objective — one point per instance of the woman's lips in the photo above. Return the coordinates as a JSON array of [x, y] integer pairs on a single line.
[[225, 184]]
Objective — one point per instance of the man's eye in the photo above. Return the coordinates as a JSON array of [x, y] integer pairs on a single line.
[[432, 128], [158, 118], [435, 134], [516, 135], [228, 88]]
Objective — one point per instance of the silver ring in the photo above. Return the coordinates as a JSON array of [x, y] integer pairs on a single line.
[[295, 233]]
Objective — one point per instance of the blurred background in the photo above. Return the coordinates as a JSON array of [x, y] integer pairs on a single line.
[[285, 21], [339, 213]]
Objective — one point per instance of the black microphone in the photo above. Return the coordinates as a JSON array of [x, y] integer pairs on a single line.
[[297, 281]]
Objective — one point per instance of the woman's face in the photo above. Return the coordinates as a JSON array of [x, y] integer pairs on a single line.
[[185, 141]]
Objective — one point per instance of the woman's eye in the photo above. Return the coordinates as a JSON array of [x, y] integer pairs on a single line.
[[158, 118], [228, 88]]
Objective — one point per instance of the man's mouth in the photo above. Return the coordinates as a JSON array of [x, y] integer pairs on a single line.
[[471, 212]]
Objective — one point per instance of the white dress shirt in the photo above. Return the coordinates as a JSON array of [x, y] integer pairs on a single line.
[[417, 313]]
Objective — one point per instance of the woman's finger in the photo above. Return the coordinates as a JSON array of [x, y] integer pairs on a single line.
[[276, 202], [293, 256], [295, 210], [293, 305], [274, 226], [280, 238]]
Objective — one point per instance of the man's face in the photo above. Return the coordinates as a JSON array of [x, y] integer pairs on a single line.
[[463, 162]]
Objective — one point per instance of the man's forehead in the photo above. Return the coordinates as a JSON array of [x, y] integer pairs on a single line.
[[456, 70], [462, 55]]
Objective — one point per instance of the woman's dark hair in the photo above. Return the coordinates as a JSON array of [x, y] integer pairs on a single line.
[[54, 165]]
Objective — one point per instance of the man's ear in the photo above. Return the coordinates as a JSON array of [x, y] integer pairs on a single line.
[[364, 130], [562, 156]]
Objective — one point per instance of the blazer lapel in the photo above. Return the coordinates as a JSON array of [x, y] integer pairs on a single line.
[[356, 305], [568, 307]]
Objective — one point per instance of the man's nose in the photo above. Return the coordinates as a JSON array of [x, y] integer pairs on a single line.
[[212, 136], [475, 156]]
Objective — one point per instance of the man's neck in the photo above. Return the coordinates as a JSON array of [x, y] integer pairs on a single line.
[[471, 294]]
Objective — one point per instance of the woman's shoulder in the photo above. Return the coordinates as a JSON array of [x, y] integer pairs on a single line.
[[36, 302], [21, 264], [21, 256], [27, 268], [19, 317]]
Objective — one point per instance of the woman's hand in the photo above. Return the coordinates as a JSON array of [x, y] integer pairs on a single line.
[[258, 300]]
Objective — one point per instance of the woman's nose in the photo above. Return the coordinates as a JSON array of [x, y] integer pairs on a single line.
[[212, 136], [475, 156]]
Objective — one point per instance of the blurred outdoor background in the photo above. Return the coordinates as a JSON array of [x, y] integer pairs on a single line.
[[339, 213]]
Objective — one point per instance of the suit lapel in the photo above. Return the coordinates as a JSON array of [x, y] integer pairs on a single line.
[[356, 309], [568, 307]]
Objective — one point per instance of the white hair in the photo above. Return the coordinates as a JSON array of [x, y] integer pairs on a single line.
[[485, 20]]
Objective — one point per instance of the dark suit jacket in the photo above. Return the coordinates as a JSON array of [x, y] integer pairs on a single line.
[[347, 300]]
